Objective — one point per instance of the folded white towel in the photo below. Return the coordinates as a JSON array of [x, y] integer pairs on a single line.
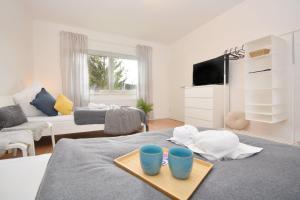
[[213, 144]]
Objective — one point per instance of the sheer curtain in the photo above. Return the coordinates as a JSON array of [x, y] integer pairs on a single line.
[[74, 67], [144, 56]]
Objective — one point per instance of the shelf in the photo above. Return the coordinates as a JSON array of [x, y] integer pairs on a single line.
[[266, 40], [266, 118], [265, 121], [264, 113], [257, 104], [265, 80], [258, 89]]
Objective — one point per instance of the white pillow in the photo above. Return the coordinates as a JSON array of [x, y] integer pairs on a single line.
[[6, 101], [24, 98]]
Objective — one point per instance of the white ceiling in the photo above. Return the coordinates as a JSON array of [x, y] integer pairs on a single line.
[[155, 20]]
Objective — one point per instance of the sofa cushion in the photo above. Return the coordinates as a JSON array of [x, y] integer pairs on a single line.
[[24, 98], [63, 105], [45, 102], [11, 116]]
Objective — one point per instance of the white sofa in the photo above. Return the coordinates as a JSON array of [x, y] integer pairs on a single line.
[[61, 124]]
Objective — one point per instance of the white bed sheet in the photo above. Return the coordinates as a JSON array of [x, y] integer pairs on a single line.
[[20, 177]]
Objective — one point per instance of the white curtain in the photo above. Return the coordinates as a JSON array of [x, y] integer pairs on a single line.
[[144, 56], [74, 67]]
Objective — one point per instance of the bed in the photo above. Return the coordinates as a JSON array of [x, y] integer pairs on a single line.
[[63, 124], [84, 169]]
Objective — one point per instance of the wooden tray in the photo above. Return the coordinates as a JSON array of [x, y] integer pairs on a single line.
[[164, 181]]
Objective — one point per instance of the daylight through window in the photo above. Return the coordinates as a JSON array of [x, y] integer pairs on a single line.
[[112, 74]]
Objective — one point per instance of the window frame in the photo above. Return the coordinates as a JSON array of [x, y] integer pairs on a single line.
[[111, 91]]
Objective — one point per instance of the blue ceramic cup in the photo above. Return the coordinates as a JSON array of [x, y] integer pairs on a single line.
[[151, 158], [180, 162]]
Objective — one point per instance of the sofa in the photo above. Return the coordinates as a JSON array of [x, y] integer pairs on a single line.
[[61, 124]]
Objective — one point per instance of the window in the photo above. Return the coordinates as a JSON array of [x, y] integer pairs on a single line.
[[109, 73]]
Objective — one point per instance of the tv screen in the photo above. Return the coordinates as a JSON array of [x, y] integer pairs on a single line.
[[210, 72]]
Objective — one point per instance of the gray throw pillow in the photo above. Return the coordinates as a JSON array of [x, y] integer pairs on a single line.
[[11, 116]]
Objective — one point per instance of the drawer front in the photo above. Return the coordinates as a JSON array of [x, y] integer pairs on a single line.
[[204, 92], [198, 122], [199, 113], [206, 103]]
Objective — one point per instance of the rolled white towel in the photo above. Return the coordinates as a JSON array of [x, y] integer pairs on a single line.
[[184, 135], [213, 144]]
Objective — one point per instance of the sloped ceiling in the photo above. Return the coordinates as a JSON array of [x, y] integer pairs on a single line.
[[161, 21]]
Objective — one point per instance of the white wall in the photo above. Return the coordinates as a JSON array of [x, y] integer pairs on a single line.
[[297, 89], [247, 21], [46, 59], [15, 46]]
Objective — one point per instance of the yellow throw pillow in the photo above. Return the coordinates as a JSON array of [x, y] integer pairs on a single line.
[[63, 105]]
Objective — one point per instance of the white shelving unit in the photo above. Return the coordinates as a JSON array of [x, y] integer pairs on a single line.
[[266, 81]]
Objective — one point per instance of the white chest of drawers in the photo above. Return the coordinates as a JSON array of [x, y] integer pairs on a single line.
[[204, 106]]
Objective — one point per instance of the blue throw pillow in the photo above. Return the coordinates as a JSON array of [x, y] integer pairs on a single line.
[[45, 102]]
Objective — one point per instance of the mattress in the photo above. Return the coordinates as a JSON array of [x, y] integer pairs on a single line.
[[85, 169], [21, 177], [58, 118]]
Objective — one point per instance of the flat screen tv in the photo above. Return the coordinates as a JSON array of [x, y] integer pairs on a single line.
[[210, 72]]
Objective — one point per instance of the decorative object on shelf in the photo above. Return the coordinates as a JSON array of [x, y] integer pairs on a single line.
[[236, 120], [263, 70], [266, 88], [259, 52], [144, 106]]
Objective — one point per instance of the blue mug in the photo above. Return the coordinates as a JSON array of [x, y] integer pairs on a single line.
[[180, 162], [151, 158]]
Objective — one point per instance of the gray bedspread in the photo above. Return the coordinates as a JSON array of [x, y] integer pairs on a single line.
[[122, 121], [85, 115], [83, 169]]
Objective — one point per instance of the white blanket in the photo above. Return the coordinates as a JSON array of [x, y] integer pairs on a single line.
[[213, 144]]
